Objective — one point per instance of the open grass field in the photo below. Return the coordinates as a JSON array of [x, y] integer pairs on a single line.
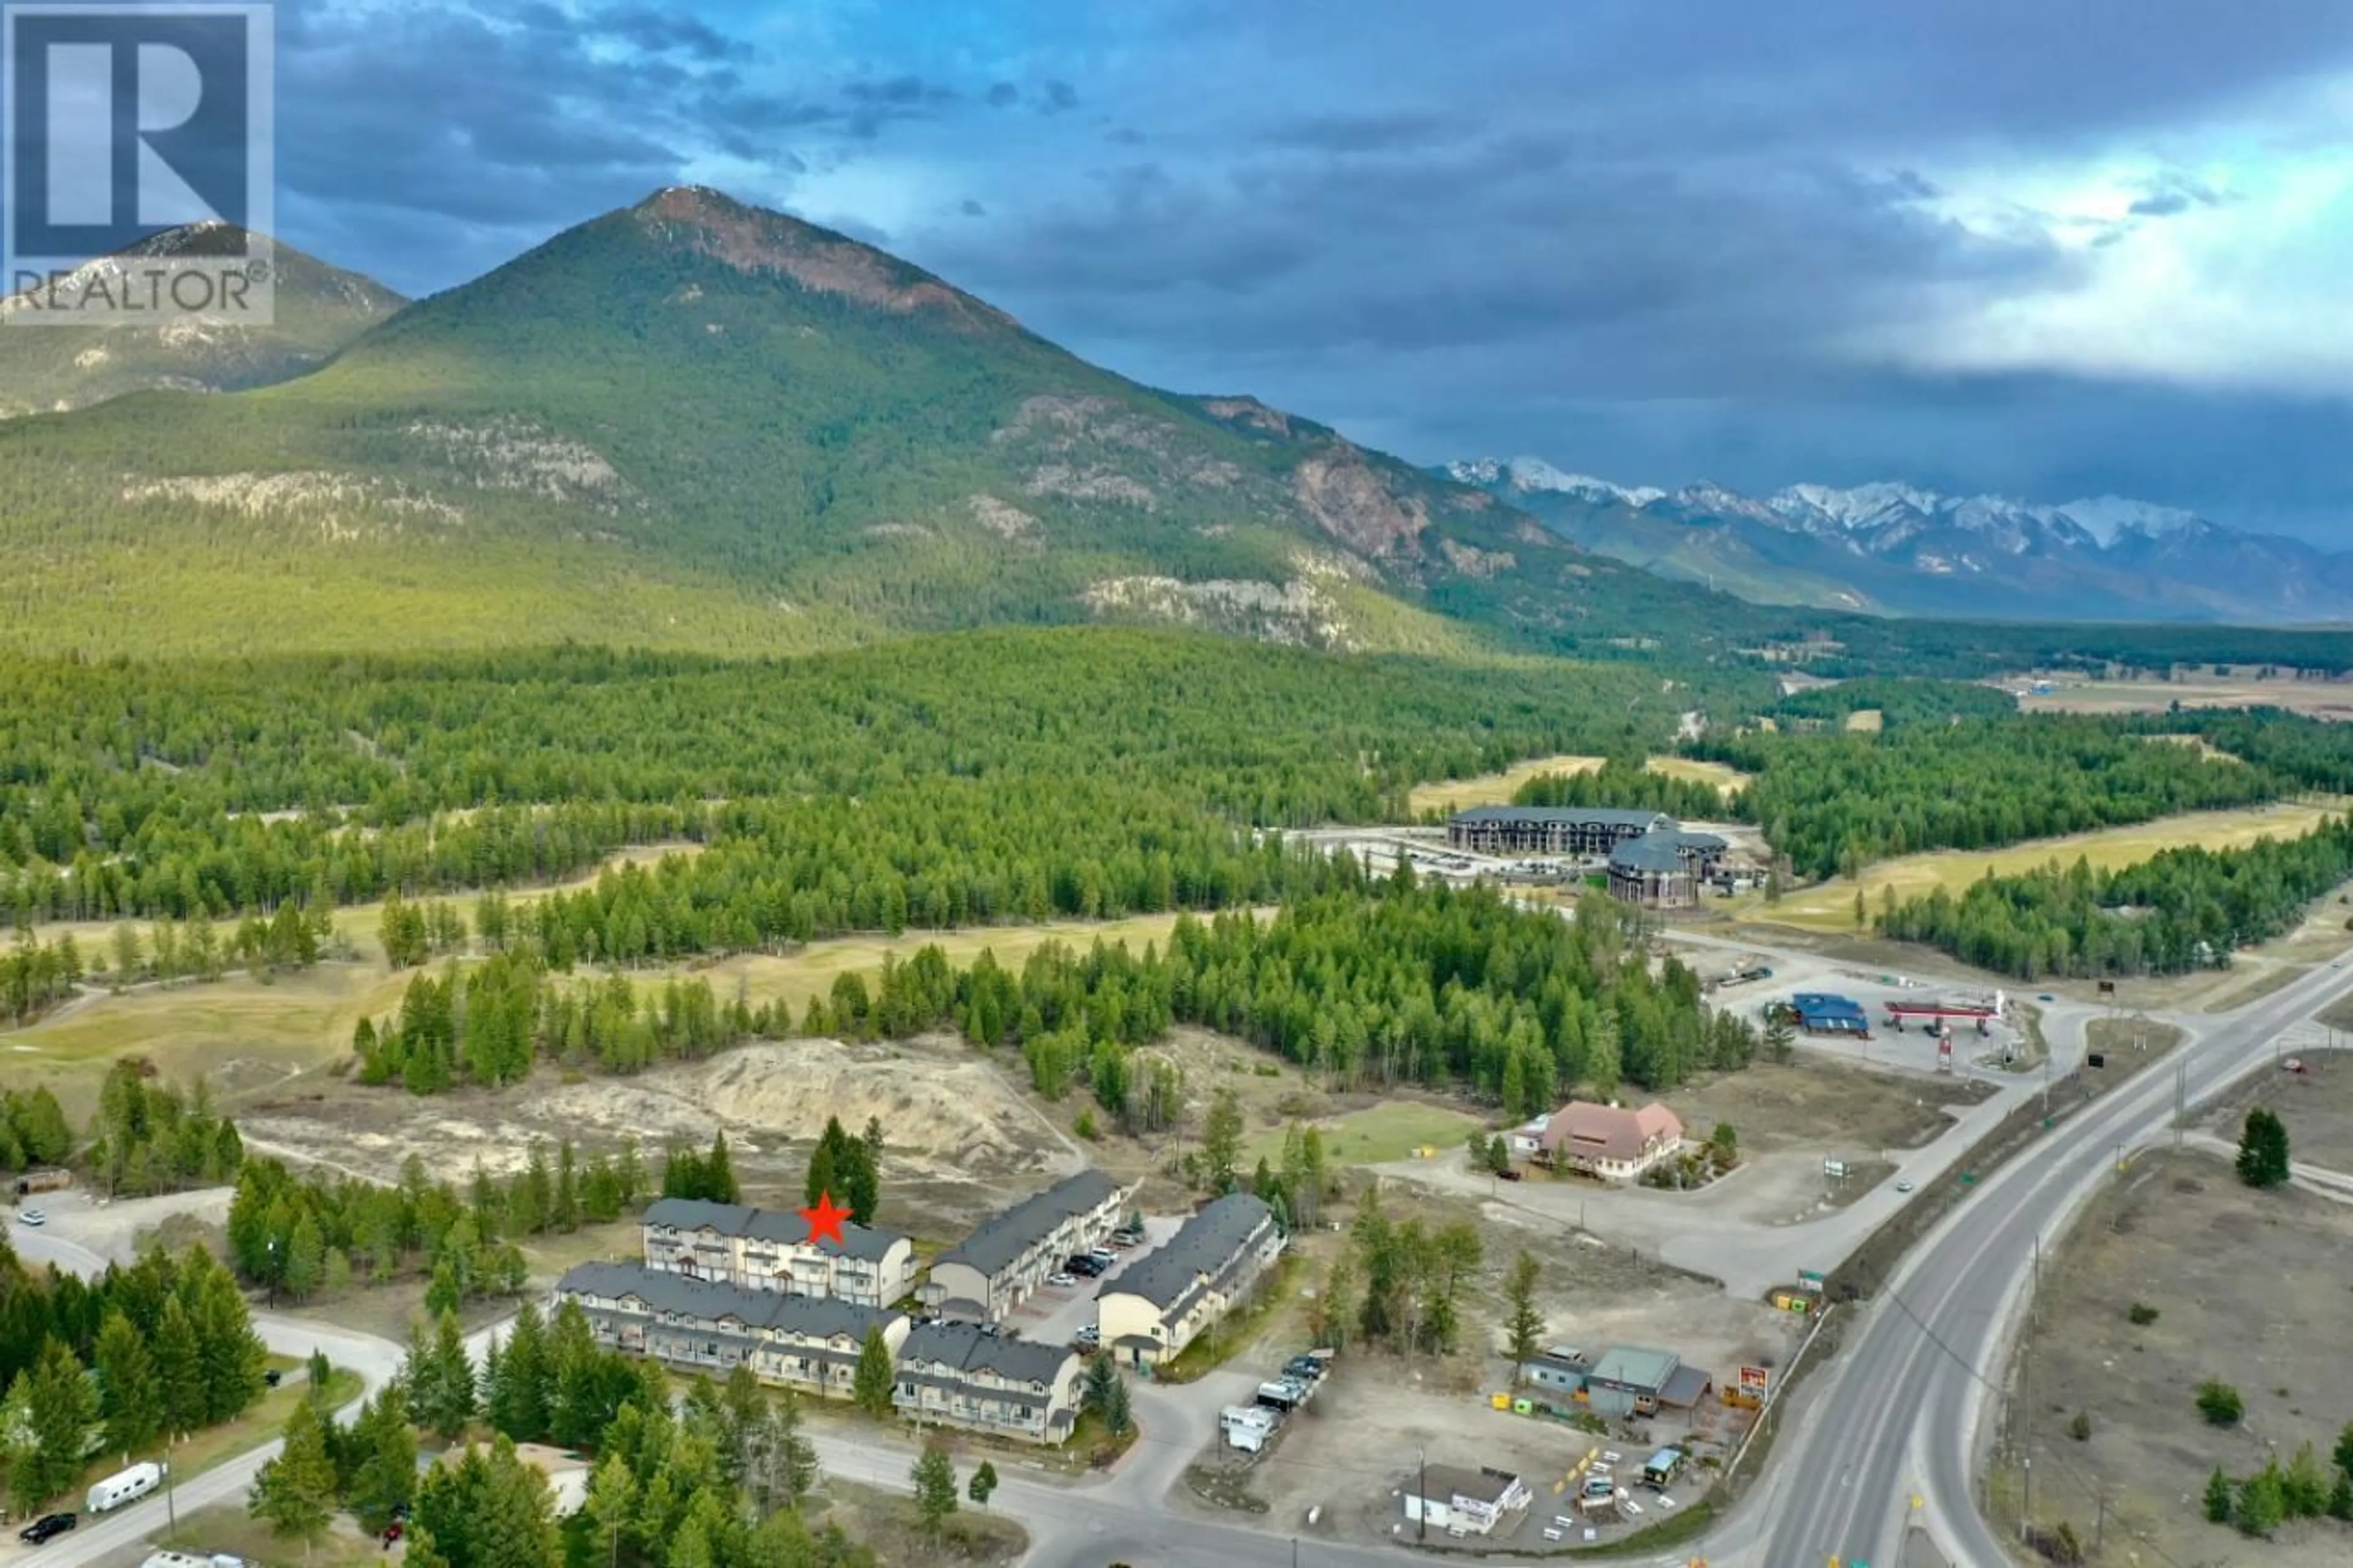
[[1866, 721], [797, 976], [1376, 1135], [2075, 693], [2176, 1233], [1830, 905], [1493, 789], [1497, 789], [1722, 776], [253, 1035]]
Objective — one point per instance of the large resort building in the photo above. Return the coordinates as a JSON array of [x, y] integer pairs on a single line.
[[1652, 858], [1549, 830]]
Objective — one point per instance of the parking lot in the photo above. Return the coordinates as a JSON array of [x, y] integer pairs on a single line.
[[1055, 1314], [1914, 1047]]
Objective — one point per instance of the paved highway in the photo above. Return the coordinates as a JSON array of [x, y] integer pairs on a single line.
[[1899, 1412]]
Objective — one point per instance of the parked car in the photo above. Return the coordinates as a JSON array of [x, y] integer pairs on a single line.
[[1509, 1173], [1904, 1186], [392, 1533], [1062, 1279], [1305, 1367], [1102, 1255], [400, 1511], [273, 1377], [47, 1526], [31, 1217], [1085, 1264]]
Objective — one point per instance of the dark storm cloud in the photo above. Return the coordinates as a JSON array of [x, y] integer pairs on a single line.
[[1643, 239], [2174, 192]]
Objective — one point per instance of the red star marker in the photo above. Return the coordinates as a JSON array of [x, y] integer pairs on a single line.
[[825, 1219]]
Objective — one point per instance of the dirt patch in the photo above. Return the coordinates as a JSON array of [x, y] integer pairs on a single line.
[[2317, 1104], [1777, 1106], [958, 1138], [888, 1523], [2179, 1234]]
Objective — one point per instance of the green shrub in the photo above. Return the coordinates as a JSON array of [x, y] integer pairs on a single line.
[[2219, 1402], [2142, 1314]]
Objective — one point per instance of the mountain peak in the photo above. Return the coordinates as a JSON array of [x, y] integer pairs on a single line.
[[756, 240]]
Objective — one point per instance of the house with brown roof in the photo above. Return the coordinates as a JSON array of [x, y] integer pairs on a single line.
[[1608, 1141]]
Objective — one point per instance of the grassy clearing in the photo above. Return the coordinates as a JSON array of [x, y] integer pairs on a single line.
[[228, 1527], [1722, 776], [1830, 905], [1865, 721], [1493, 789], [1497, 789], [888, 1522], [1377, 1135], [797, 976]]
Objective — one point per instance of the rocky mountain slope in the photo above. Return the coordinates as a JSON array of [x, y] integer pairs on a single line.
[[1896, 548], [695, 423], [318, 309]]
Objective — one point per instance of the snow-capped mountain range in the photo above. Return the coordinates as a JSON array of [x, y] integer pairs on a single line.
[[1898, 547]]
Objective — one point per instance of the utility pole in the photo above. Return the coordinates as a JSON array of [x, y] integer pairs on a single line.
[[2180, 1100], [171, 1508], [1422, 1456]]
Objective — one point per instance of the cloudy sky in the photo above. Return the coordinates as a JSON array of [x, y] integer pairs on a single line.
[[2052, 247]]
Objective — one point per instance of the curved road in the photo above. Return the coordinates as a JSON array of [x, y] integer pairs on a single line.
[[1902, 1409], [1896, 1416]]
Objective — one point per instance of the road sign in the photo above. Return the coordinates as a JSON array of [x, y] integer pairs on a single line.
[[1754, 1381], [1834, 1169], [1810, 1279]]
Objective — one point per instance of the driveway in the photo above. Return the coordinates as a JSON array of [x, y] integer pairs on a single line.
[[1054, 1316]]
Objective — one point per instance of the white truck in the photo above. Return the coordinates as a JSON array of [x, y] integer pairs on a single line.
[[125, 1486], [192, 1560]]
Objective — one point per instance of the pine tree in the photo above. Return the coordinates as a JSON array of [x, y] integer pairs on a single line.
[[718, 1175], [2263, 1503], [613, 1504], [306, 1259], [984, 1482], [1524, 1324], [179, 1371], [935, 1488], [133, 1400], [871, 1385], [384, 1459], [2263, 1150], [2219, 1497], [518, 1394], [1221, 1141], [60, 1408], [443, 1389], [2305, 1489], [295, 1493], [1118, 1415], [231, 1353]]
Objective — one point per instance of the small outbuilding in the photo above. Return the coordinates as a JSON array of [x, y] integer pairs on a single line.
[[1463, 1501], [1819, 1013]]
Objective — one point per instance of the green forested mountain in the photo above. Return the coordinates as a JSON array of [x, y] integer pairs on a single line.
[[695, 423], [318, 309]]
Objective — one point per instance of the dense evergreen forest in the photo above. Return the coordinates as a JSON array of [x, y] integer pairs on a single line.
[[166, 790], [1385, 983], [1625, 782], [2181, 910], [1832, 804], [160, 1349]]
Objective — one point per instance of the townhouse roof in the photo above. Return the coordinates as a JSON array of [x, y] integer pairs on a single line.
[[786, 1228], [1608, 1132], [965, 1348], [1203, 1249], [1005, 1239], [709, 1301]]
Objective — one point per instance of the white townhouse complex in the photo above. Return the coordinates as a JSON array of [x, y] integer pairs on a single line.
[[769, 1250], [1153, 1309], [1012, 1253], [957, 1375], [810, 1342]]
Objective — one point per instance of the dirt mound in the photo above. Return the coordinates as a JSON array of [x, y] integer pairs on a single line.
[[953, 1108]]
